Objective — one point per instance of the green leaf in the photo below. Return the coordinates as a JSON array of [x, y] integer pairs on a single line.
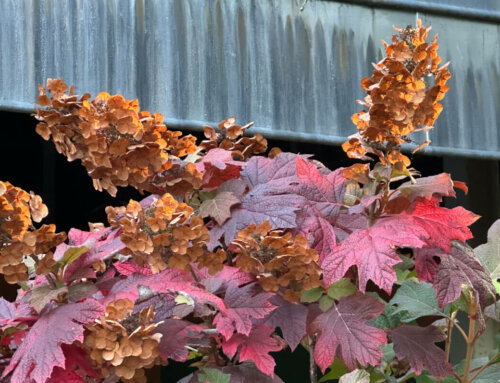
[[312, 295], [325, 302], [388, 350], [79, 291], [489, 253], [204, 195], [43, 294], [388, 319], [213, 376], [497, 285], [490, 374], [336, 370], [356, 376], [341, 288], [426, 378], [417, 299], [72, 254]]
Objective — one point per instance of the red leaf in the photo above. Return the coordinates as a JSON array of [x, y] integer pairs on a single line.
[[75, 357], [291, 318], [319, 231], [255, 347], [177, 334], [373, 251], [166, 281], [244, 305], [441, 224], [218, 166], [129, 268], [417, 345], [41, 350], [344, 327]]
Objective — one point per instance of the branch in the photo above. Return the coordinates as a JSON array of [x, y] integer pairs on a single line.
[[482, 368], [312, 364]]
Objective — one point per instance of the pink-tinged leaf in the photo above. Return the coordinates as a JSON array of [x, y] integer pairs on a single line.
[[177, 334], [426, 263], [318, 187], [372, 250], [291, 318], [261, 170], [417, 345], [41, 350], [79, 237], [254, 347], [219, 207], [461, 267], [129, 268], [439, 185], [169, 280], [343, 330], [244, 306], [441, 224], [319, 231], [217, 167], [67, 376], [219, 282]]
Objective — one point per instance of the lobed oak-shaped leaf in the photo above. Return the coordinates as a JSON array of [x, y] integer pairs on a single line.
[[356, 376], [217, 167], [291, 318], [219, 207], [416, 299], [417, 344], [244, 305], [177, 334], [255, 347], [41, 350], [343, 330], [428, 187], [372, 250]]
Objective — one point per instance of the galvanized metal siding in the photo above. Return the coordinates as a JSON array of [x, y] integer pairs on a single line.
[[295, 73]]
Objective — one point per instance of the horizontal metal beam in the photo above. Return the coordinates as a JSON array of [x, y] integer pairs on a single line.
[[289, 135], [447, 10]]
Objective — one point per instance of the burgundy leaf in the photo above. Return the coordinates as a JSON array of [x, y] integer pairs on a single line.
[[41, 350], [417, 345], [219, 207], [425, 262], [318, 230], [129, 268], [373, 251], [255, 347], [261, 170], [291, 318], [343, 330], [461, 267], [244, 305], [177, 334], [242, 373]]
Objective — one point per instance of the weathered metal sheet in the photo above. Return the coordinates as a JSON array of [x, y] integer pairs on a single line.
[[294, 72]]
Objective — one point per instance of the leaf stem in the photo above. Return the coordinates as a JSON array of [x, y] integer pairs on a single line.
[[313, 375], [460, 329], [471, 338], [448, 336], [51, 281], [483, 367]]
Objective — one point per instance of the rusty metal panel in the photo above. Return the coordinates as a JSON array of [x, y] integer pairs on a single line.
[[292, 66]]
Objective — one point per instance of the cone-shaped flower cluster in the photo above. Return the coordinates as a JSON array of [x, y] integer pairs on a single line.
[[402, 97]]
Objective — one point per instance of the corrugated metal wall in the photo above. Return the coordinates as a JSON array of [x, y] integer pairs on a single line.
[[294, 72]]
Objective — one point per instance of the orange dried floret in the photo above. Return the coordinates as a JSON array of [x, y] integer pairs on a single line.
[[278, 260], [398, 100], [118, 144], [164, 233]]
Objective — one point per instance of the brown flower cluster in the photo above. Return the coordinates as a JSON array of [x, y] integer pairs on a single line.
[[18, 236], [278, 260], [228, 136], [118, 144], [399, 99], [164, 233], [124, 343]]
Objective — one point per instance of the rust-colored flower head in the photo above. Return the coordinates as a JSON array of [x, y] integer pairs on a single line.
[[19, 238], [165, 233], [118, 144], [279, 260], [402, 98], [229, 136]]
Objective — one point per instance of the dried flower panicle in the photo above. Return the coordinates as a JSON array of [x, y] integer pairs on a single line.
[[118, 144], [399, 99], [229, 136], [164, 233], [278, 259], [123, 342], [18, 236]]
